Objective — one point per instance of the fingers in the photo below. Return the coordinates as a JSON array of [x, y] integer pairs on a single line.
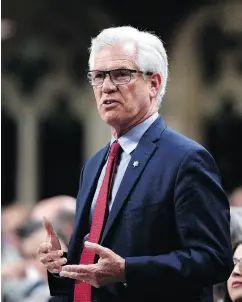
[[77, 276], [52, 234], [45, 258], [45, 247], [52, 260], [49, 227], [98, 249], [79, 268], [56, 266], [83, 273], [50, 253]]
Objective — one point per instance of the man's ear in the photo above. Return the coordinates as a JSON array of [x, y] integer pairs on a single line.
[[155, 83]]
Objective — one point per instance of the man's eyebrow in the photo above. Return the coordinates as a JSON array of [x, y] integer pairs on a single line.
[[117, 68], [123, 67]]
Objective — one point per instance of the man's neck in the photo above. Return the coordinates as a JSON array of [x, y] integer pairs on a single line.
[[121, 130]]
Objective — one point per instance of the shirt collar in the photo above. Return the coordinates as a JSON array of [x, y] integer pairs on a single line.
[[130, 140]]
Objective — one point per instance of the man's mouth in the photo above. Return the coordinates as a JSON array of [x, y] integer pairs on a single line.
[[236, 284], [109, 102]]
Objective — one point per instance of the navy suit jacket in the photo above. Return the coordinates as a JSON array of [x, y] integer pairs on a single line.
[[170, 221]]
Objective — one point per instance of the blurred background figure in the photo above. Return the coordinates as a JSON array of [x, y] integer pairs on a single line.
[[231, 291], [60, 210], [13, 216], [50, 207], [235, 198], [220, 290], [236, 223], [25, 280], [234, 284]]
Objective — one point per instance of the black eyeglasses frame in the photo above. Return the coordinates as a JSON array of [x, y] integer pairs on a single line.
[[109, 72]]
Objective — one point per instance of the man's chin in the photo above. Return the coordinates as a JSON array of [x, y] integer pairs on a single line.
[[111, 119]]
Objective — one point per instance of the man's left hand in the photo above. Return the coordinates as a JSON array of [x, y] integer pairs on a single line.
[[110, 268]]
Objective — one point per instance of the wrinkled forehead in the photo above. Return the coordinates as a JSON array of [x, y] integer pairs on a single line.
[[112, 57]]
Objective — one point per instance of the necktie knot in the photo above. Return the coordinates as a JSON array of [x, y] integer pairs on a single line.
[[114, 150]]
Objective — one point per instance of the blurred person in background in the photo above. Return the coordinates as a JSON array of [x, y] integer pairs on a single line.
[[49, 207], [13, 216], [60, 210], [64, 221], [31, 285], [236, 224], [17, 233], [235, 198], [152, 220], [236, 236], [234, 284]]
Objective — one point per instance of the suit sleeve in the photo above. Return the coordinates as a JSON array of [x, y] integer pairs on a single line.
[[59, 286], [203, 224]]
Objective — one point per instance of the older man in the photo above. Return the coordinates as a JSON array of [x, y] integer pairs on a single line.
[[152, 221]]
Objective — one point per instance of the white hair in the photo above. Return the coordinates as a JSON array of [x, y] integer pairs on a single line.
[[150, 52], [236, 224]]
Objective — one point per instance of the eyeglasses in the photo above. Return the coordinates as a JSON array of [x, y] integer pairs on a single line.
[[117, 76], [238, 262]]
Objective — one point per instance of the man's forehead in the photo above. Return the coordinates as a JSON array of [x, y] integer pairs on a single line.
[[104, 55], [116, 56], [104, 63], [238, 252]]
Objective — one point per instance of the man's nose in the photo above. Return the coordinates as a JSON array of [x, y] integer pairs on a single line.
[[237, 269], [108, 84]]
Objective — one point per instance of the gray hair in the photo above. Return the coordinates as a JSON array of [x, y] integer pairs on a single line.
[[150, 53], [236, 224]]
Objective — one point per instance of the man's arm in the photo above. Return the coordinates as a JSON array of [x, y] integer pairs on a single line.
[[202, 219]]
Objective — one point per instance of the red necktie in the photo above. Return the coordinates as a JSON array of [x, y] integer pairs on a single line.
[[82, 292]]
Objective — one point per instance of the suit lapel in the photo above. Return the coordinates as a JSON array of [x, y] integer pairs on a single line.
[[89, 185], [142, 154], [93, 174]]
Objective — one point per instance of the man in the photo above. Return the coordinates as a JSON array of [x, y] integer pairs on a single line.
[[158, 225]]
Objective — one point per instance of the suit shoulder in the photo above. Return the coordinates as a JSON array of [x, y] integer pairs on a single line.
[[183, 151], [179, 143]]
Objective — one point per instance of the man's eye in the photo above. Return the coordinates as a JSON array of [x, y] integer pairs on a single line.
[[120, 73], [98, 76], [123, 73]]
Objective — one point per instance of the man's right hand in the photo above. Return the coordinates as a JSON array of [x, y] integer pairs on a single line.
[[50, 253]]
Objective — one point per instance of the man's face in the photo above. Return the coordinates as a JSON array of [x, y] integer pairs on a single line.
[[29, 247], [234, 282], [130, 103]]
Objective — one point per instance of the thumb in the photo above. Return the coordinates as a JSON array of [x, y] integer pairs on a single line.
[[54, 240], [103, 252]]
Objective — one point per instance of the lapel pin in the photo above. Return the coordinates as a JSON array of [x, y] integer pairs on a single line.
[[135, 163]]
